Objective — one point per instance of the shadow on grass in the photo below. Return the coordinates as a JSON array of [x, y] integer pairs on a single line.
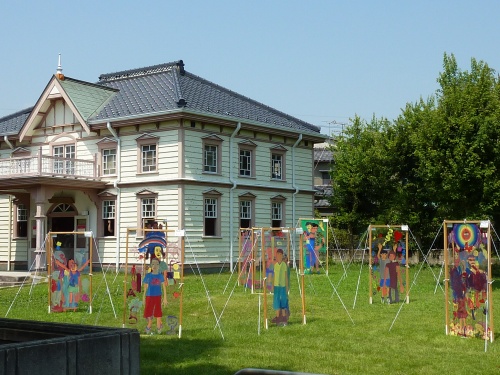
[[164, 354]]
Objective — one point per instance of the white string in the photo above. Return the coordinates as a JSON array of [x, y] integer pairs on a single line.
[[205, 287]]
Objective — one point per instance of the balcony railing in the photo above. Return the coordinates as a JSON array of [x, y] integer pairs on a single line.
[[37, 166]]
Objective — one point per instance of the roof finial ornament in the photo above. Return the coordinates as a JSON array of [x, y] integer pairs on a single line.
[[59, 72]]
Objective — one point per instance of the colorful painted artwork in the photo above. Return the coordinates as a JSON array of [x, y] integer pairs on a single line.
[[69, 282], [388, 260], [258, 247], [315, 242], [468, 266], [154, 289]]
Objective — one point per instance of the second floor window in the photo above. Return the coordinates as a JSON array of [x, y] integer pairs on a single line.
[[277, 166], [109, 161], [210, 159], [148, 155], [64, 152], [246, 163]]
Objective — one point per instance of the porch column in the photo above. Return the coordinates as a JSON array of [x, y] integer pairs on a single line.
[[40, 233]]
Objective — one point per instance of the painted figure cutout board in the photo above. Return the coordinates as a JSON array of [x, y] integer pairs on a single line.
[[154, 277], [70, 268], [388, 257], [315, 245], [258, 248], [469, 308]]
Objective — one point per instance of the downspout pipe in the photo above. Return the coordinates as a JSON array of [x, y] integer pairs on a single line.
[[9, 240], [294, 185], [231, 193], [6, 140], [118, 193]]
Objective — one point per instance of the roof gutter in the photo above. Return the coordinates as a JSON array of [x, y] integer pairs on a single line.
[[294, 185], [311, 133], [231, 192], [118, 192]]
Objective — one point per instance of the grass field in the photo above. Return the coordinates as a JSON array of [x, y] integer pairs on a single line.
[[343, 334]]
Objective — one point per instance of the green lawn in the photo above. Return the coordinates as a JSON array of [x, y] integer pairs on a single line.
[[329, 343]]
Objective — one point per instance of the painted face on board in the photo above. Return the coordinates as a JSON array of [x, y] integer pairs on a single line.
[[155, 265]]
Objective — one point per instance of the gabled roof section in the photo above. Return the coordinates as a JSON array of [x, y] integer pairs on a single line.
[[149, 91], [83, 98], [87, 98]]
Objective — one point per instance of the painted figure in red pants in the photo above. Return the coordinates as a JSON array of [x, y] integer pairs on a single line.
[[154, 287]]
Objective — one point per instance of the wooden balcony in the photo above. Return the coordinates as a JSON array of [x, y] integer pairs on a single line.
[[42, 169]]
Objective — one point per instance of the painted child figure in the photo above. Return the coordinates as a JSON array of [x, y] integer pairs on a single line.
[[72, 283], [280, 298], [154, 287], [393, 272], [384, 277]]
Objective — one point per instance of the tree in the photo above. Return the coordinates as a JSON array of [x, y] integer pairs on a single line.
[[457, 148], [360, 179], [440, 159]]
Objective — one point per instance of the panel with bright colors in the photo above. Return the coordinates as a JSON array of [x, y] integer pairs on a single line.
[[468, 266]]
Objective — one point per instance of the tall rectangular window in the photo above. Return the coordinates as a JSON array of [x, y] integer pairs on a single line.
[[22, 221], [148, 208], [108, 217], [211, 223], [109, 161], [246, 163], [148, 156], [210, 158], [245, 214], [276, 214], [277, 166]]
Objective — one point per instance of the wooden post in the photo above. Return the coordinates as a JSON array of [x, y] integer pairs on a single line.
[[301, 263], [49, 267], [182, 285], [90, 271], [446, 277], [370, 298], [125, 280], [407, 270], [490, 289]]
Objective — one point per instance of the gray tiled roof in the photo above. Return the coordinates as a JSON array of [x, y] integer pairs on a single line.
[[167, 88], [11, 124], [323, 154]]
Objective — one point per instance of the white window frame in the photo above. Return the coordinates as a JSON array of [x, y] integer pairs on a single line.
[[246, 212], [109, 217], [278, 163], [147, 207], [64, 151], [147, 154], [278, 212], [212, 155], [212, 214], [109, 158], [246, 159], [22, 216]]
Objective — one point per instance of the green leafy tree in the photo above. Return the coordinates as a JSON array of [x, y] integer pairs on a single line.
[[457, 148], [439, 159], [361, 179]]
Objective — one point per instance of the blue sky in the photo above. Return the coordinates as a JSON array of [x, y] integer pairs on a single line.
[[320, 61]]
